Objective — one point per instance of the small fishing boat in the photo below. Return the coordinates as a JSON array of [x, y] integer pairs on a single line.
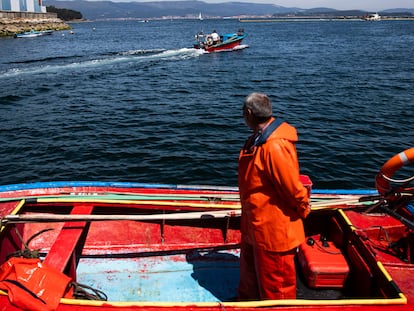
[[134, 246], [227, 42], [372, 17], [33, 33]]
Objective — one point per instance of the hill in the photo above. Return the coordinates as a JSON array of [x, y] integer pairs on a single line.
[[98, 10], [111, 10]]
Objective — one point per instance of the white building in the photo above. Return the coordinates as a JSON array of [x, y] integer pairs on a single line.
[[33, 6]]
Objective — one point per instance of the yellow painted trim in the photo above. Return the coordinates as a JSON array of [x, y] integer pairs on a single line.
[[379, 264], [348, 222], [385, 272], [139, 202], [402, 300], [18, 207], [14, 212], [389, 279], [328, 204], [247, 304]]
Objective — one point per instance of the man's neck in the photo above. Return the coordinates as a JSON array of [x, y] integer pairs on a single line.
[[262, 126]]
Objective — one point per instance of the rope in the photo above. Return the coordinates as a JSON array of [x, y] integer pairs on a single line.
[[78, 217], [400, 248], [398, 181], [26, 252], [401, 186], [82, 291], [325, 249]]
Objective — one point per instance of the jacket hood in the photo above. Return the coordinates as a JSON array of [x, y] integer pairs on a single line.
[[285, 131]]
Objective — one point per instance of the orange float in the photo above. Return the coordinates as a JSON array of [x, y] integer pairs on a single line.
[[382, 180]]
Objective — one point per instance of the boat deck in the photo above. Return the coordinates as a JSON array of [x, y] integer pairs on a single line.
[[176, 262], [193, 275], [199, 262]]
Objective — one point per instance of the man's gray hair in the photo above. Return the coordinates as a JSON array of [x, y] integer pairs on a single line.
[[259, 104]]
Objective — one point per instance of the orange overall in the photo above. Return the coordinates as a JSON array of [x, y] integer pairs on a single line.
[[274, 202]]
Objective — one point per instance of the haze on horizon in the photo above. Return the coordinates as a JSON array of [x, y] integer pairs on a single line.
[[370, 5], [367, 5]]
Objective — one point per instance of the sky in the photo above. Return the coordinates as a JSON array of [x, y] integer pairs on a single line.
[[367, 5], [373, 5]]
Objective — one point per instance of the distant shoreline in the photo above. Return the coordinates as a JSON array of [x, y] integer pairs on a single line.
[[243, 19], [312, 18]]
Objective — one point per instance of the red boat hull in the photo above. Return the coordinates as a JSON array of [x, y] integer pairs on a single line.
[[223, 47]]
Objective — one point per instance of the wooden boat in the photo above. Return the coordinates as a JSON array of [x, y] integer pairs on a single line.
[[33, 33], [132, 246], [228, 42]]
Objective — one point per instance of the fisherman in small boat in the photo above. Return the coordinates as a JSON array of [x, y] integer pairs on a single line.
[[215, 37], [274, 203]]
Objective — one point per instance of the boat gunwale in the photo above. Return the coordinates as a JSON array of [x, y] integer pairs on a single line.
[[173, 187], [400, 300]]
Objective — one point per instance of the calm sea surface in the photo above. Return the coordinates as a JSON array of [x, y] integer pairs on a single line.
[[131, 101]]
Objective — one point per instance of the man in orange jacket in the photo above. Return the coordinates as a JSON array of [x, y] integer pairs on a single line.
[[274, 203]]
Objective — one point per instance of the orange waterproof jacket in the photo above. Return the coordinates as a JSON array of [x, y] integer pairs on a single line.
[[273, 199], [33, 286]]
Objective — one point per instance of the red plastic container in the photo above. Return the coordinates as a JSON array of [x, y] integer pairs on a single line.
[[307, 182], [322, 266]]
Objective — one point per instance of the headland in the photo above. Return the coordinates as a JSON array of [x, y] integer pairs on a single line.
[[19, 22]]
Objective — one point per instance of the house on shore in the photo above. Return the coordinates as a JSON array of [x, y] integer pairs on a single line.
[[32, 6], [24, 9], [18, 16]]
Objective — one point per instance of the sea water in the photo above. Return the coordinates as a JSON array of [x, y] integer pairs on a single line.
[[132, 101]]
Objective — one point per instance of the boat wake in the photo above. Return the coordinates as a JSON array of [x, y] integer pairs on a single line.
[[59, 64], [236, 48], [240, 47]]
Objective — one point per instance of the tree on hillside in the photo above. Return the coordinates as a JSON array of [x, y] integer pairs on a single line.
[[64, 14]]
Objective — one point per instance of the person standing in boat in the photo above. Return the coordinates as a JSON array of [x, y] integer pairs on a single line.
[[274, 203], [215, 36]]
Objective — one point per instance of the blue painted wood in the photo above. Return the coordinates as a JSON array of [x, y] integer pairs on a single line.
[[60, 184], [193, 276]]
